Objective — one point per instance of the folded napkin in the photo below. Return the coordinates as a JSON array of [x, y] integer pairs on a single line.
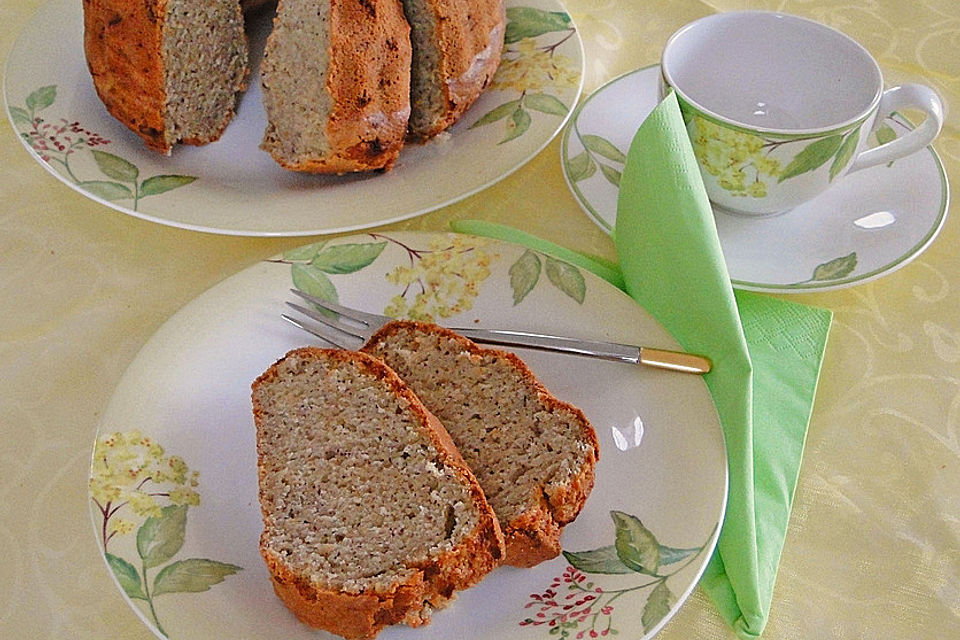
[[766, 352]]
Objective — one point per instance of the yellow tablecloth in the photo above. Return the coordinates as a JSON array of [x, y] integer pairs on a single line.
[[873, 548]]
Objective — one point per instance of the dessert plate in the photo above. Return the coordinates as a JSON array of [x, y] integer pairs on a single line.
[[173, 482], [232, 187], [869, 224]]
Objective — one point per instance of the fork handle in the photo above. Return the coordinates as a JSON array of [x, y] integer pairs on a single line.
[[659, 358]]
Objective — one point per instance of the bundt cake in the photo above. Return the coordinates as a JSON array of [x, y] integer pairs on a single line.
[[345, 82]]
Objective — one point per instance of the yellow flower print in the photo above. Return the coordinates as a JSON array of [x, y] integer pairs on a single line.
[[130, 471], [529, 67], [440, 281], [739, 161]]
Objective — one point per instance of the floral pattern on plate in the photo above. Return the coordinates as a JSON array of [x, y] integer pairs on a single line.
[[587, 608], [532, 67], [131, 478], [56, 143], [438, 281]]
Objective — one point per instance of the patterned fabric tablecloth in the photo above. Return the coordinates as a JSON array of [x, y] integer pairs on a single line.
[[873, 549]]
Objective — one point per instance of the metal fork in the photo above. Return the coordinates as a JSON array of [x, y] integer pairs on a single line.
[[351, 328]]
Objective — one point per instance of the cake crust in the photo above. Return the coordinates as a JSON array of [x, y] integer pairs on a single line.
[[129, 79], [367, 85], [467, 37]]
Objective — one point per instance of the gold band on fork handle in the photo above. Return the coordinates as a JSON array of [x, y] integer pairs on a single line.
[[674, 360]]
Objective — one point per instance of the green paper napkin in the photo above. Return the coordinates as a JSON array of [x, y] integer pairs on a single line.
[[766, 352]]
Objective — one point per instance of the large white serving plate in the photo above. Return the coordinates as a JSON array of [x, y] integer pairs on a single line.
[[232, 187]]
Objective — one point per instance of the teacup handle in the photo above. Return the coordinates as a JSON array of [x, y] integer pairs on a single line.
[[908, 95]]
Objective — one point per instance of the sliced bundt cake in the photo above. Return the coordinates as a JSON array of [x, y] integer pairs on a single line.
[[371, 517], [456, 51], [169, 70], [336, 83], [533, 454]]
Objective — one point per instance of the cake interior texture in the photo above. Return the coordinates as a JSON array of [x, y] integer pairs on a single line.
[[205, 63], [520, 448], [294, 76], [427, 100], [353, 493]]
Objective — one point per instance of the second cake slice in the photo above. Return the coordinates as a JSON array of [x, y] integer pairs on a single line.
[[533, 455]]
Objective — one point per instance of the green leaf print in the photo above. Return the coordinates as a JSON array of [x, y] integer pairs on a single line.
[[591, 605], [524, 274], [111, 191], [520, 122], [842, 159], [812, 157], [567, 278], [127, 576], [20, 116], [603, 147], [636, 546], [156, 185], [307, 252], [545, 103], [836, 268], [192, 576], [603, 560], [312, 280], [42, 98], [886, 134], [671, 555], [657, 606], [581, 166], [160, 538], [527, 22], [347, 258], [611, 174], [115, 167], [131, 471], [497, 113]]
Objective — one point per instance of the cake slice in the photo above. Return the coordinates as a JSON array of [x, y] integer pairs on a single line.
[[456, 51], [371, 517], [533, 454], [336, 83], [169, 70]]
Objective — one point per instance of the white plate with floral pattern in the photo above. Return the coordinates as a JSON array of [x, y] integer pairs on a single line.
[[173, 485], [232, 187], [869, 224]]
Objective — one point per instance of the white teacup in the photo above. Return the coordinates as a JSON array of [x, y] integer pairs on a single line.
[[779, 107]]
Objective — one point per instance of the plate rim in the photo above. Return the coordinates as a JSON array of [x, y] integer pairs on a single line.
[[792, 288]]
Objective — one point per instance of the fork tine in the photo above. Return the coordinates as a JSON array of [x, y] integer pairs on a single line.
[[372, 320], [351, 330], [315, 332]]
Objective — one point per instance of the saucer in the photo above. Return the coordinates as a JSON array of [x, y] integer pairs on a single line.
[[869, 224]]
